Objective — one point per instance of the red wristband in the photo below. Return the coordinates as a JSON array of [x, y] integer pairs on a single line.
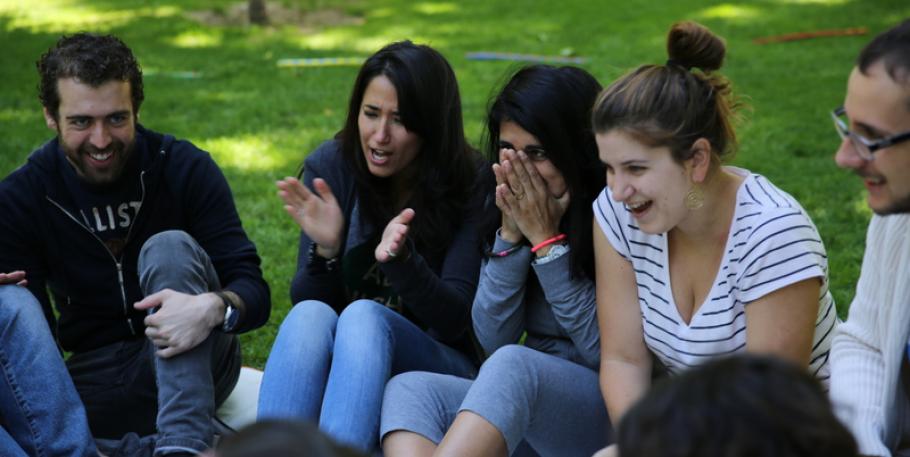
[[548, 242]]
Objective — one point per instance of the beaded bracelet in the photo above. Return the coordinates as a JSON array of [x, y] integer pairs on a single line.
[[548, 242]]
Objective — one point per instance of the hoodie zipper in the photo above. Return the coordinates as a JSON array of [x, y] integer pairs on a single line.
[[106, 249]]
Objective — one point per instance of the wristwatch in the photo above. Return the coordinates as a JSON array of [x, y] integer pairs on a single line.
[[319, 264], [231, 313], [556, 251]]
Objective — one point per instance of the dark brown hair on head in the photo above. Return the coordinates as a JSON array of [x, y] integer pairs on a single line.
[[673, 105], [891, 47], [91, 59]]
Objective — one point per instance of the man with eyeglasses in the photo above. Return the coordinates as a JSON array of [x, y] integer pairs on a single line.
[[870, 373]]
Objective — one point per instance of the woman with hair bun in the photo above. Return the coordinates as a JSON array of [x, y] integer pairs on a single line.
[[695, 259]]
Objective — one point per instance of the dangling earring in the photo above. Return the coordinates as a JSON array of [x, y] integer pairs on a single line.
[[695, 197]]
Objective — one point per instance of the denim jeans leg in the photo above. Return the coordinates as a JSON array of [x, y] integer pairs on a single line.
[[8, 446], [186, 385], [372, 343], [40, 409], [295, 374]]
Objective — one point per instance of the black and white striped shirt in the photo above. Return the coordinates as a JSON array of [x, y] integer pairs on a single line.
[[772, 243]]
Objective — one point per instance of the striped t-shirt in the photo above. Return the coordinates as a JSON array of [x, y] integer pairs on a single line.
[[772, 243]]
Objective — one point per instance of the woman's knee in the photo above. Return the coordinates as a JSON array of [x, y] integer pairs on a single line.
[[422, 402], [363, 317], [363, 309], [511, 357], [511, 368], [411, 388], [310, 313], [309, 319]]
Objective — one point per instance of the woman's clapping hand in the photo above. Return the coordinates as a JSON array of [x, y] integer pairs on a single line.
[[317, 214]]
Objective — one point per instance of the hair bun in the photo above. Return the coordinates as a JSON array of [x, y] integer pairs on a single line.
[[692, 45]]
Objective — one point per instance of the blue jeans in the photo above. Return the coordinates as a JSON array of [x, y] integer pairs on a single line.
[[40, 411], [534, 399], [333, 370]]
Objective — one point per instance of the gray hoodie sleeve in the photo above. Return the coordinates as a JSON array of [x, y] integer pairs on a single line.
[[498, 311], [573, 302]]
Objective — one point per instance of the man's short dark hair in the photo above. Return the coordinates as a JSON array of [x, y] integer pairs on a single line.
[[891, 48], [91, 59]]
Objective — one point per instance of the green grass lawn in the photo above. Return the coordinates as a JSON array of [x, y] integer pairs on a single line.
[[259, 121]]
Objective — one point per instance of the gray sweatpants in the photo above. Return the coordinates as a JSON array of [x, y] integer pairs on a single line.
[[554, 405]]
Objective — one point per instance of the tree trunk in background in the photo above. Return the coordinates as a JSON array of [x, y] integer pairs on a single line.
[[258, 14]]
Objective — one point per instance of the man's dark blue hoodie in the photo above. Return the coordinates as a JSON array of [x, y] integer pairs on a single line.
[[180, 188]]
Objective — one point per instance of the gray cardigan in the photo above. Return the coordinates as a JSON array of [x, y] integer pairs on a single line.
[[556, 310]]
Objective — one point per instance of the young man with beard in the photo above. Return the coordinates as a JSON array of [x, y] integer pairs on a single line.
[[870, 376], [135, 236]]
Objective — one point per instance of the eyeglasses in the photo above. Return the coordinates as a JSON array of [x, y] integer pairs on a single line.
[[864, 147]]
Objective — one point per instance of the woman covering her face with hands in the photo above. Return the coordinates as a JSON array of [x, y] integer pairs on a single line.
[[536, 283], [390, 215]]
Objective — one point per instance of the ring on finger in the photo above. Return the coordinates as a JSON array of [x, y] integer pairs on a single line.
[[519, 196], [391, 254]]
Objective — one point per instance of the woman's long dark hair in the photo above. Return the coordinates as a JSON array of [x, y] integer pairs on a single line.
[[554, 105], [430, 107]]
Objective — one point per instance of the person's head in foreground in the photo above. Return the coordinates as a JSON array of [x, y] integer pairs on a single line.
[[874, 123], [742, 406], [276, 438]]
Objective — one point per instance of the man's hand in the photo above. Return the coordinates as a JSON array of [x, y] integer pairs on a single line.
[[182, 321], [15, 277]]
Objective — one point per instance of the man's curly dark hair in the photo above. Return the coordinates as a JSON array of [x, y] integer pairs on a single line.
[[91, 59]]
